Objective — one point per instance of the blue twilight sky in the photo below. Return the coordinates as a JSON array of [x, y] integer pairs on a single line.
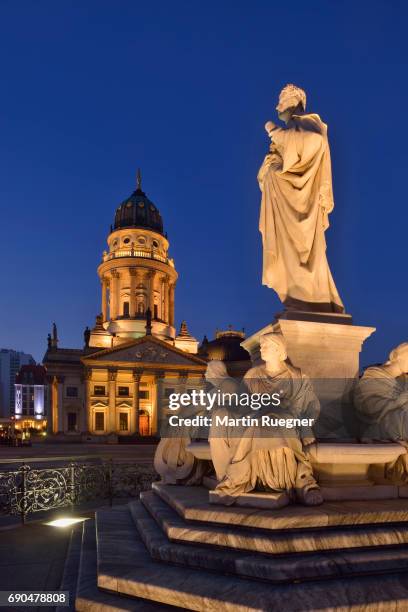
[[93, 89]]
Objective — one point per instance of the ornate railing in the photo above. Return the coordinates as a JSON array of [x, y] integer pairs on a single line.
[[138, 252], [26, 490]]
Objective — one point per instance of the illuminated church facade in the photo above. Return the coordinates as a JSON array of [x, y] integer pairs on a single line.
[[132, 359], [118, 383]]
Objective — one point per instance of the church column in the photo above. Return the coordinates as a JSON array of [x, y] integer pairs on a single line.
[[60, 403], [114, 290], [171, 304], [104, 309], [166, 298], [156, 406], [87, 420], [132, 300], [52, 422], [152, 276], [111, 420], [162, 313], [134, 422]]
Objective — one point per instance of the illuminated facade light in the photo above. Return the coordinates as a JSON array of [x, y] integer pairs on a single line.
[[18, 409]]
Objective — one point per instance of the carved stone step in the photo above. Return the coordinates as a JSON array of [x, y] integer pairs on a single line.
[[126, 567], [235, 537], [89, 598], [70, 574], [275, 569], [192, 504]]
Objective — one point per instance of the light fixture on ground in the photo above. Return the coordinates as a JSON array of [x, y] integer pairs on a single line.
[[66, 521]]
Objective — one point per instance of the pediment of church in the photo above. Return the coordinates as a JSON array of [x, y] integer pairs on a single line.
[[146, 350]]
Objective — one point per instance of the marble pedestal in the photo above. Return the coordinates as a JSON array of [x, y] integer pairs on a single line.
[[344, 472], [329, 353], [321, 349]]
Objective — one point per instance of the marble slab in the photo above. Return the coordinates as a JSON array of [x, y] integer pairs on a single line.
[[125, 566], [272, 501], [276, 569], [359, 492], [344, 491], [192, 504], [178, 530], [403, 491]]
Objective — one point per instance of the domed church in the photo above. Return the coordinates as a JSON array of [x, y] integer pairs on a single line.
[[132, 359], [136, 274], [226, 347]]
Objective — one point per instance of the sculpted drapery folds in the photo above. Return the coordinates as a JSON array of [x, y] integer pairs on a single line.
[[381, 401], [381, 398], [274, 459], [223, 441], [296, 184]]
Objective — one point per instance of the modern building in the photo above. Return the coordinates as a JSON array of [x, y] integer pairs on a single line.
[[31, 395], [119, 381], [10, 364]]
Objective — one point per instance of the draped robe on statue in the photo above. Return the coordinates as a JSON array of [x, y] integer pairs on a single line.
[[382, 404], [223, 439], [297, 197], [273, 459]]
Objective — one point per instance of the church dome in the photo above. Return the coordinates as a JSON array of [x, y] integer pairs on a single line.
[[225, 347], [138, 211]]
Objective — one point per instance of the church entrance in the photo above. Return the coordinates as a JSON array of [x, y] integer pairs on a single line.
[[72, 421]]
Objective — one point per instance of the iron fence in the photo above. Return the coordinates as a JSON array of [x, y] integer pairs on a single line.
[[27, 490]]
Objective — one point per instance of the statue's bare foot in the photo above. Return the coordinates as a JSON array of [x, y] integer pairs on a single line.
[[312, 497]]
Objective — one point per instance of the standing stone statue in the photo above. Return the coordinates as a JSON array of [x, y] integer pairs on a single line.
[[296, 184], [87, 336]]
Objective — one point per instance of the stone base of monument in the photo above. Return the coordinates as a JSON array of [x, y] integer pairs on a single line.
[[326, 348], [344, 471], [322, 348], [175, 549], [341, 491]]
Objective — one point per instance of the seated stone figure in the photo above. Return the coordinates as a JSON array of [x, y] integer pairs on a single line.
[[381, 402], [223, 439], [173, 461], [273, 458]]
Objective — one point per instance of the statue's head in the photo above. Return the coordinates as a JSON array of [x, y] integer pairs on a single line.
[[273, 347], [399, 355], [292, 100], [216, 370]]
